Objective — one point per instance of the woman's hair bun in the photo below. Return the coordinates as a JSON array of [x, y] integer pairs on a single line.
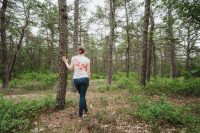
[[81, 49]]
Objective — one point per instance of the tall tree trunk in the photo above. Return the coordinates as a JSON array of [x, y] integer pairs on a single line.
[[161, 64], [191, 41], [150, 45], [128, 41], [111, 39], [52, 48], [60, 98], [22, 33], [76, 27], [105, 55], [187, 60], [144, 42], [16, 53], [80, 32], [5, 79], [174, 69], [75, 37], [155, 67], [49, 49]]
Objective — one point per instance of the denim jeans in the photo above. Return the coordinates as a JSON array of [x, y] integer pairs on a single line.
[[81, 85]]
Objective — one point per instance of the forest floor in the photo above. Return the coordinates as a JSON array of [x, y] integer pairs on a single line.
[[109, 112]]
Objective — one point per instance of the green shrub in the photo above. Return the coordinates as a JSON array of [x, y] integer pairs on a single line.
[[105, 88], [121, 78], [170, 86], [124, 83], [17, 117], [162, 112], [34, 80], [187, 75], [98, 76], [195, 72], [195, 108], [69, 102]]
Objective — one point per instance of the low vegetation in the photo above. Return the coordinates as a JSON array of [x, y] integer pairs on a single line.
[[15, 117], [159, 113], [34, 80], [163, 113]]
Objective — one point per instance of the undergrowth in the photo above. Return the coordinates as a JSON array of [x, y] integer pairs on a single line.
[[16, 117], [162, 113]]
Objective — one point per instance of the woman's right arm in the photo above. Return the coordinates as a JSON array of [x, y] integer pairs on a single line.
[[71, 66]]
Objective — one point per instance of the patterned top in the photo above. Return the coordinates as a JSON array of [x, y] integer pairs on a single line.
[[80, 66]]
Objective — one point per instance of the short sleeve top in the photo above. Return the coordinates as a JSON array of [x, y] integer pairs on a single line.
[[80, 66]]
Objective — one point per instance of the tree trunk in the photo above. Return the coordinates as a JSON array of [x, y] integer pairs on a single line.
[[60, 98], [155, 67], [144, 43], [22, 33], [75, 37], [150, 44], [187, 60], [80, 32], [5, 78], [49, 49], [52, 48], [161, 64], [174, 72], [128, 41], [111, 39], [76, 27]]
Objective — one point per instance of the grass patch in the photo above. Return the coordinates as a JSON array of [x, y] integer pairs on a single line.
[[170, 87], [15, 117], [40, 80], [34, 81], [194, 108], [106, 88], [98, 76], [18, 117], [158, 86], [163, 113], [69, 102]]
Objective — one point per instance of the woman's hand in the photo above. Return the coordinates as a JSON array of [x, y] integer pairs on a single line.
[[65, 59]]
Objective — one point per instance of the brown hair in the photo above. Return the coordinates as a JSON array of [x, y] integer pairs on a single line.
[[81, 50]]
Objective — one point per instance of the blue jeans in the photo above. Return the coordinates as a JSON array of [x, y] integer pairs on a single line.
[[81, 85]]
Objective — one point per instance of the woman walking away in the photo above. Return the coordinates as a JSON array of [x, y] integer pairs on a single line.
[[81, 67]]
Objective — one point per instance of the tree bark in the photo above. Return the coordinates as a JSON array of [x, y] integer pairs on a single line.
[[187, 61], [150, 45], [5, 78], [192, 37], [18, 47], [60, 98], [76, 27], [75, 36], [144, 43], [174, 68], [155, 67], [51, 49], [111, 39], [128, 41], [161, 64]]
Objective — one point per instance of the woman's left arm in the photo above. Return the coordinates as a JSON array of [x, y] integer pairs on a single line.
[[88, 70]]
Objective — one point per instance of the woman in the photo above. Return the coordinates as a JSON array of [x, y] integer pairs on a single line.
[[81, 67]]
